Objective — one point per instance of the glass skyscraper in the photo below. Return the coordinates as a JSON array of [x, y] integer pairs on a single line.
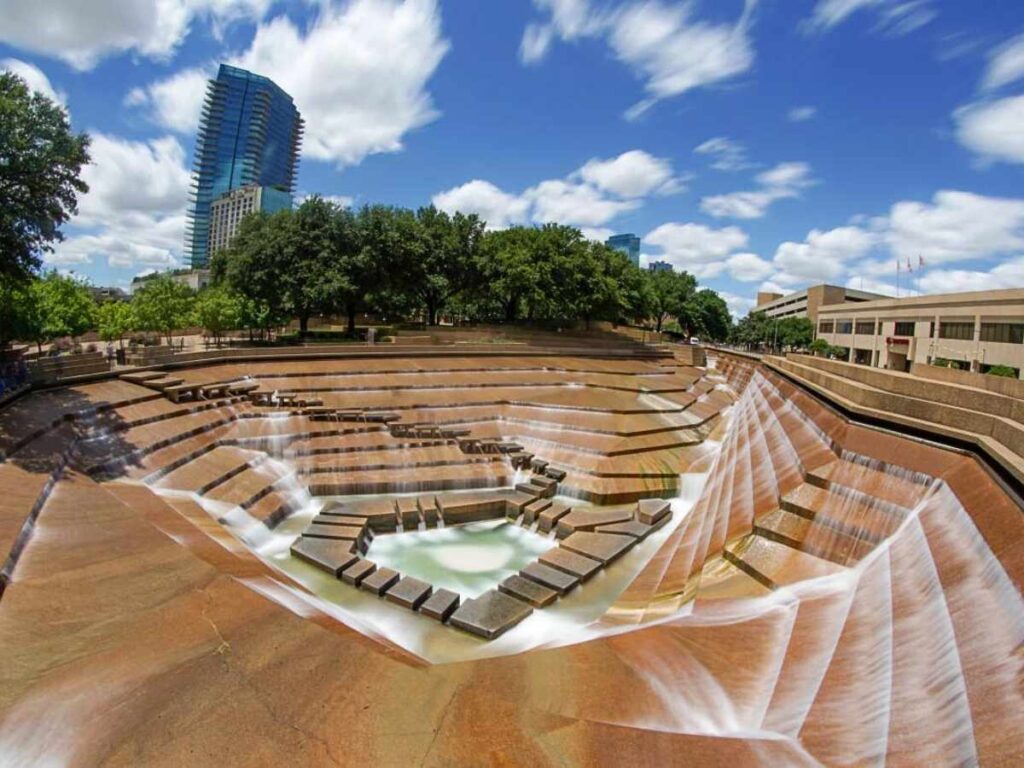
[[628, 244], [249, 134]]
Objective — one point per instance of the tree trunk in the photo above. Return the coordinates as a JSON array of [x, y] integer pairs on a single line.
[[303, 324], [659, 323], [510, 310], [431, 313], [351, 321]]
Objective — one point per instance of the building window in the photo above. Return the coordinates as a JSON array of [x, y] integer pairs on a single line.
[[865, 328], [844, 326], [1003, 333], [905, 328], [826, 326], [960, 330]]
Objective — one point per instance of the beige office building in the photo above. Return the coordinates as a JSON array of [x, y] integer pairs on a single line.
[[228, 210], [805, 303], [974, 330]]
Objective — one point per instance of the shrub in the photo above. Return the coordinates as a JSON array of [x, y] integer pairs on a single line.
[[1002, 370]]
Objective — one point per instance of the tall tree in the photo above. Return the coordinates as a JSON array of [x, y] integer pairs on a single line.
[[40, 163], [449, 260], [711, 315], [66, 308], [671, 293], [115, 320], [310, 278], [508, 268], [164, 305], [19, 313], [218, 309]]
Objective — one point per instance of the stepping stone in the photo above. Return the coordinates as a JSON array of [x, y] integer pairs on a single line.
[[538, 465], [544, 481], [409, 593], [529, 591], [651, 511], [605, 547], [569, 562], [633, 528], [533, 509], [440, 605], [589, 519], [318, 531], [380, 581], [490, 615], [337, 518], [552, 578], [552, 515], [329, 555], [358, 571], [555, 474]]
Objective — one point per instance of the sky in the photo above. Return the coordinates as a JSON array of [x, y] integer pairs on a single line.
[[758, 144]]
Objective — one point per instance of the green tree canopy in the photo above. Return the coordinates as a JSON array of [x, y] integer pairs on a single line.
[[115, 320], [65, 306], [670, 294], [40, 163], [20, 318], [218, 309], [711, 315], [163, 305]]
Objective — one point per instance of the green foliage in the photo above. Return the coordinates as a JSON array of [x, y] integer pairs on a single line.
[[1002, 370], [709, 315], [218, 309], [19, 312], [163, 305], [65, 306], [115, 320], [819, 347], [40, 163], [795, 332], [670, 295]]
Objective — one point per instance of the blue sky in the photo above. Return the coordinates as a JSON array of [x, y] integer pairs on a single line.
[[763, 144]]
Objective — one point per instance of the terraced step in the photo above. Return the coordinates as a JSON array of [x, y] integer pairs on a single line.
[[774, 564], [209, 470], [887, 486], [848, 512], [801, 533]]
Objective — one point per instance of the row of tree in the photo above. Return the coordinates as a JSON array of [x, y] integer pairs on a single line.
[[322, 259], [758, 331]]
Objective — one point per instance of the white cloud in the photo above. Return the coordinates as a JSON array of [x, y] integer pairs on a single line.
[[358, 73], [499, 209], [802, 114], [893, 17], [632, 174], [597, 234], [589, 197], [1005, 64], [1009, 274], [822, 256], [176, 102], [994, 130], [689, 246], [739, 306], [83, 33], [725, 154], [748, 267], [956, 226], [785, 180], [663, 44], [134, 212], [34, 78]]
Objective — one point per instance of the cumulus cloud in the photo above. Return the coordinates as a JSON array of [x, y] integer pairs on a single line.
[[956, 226], [632, 174], [34, 78], [801, 114], [993, 129], [725, 154], [83, 33], [1005, 64], [892, 17], [748, 267], [176, 102], [1008, 274], [822, 256], [358, 73], [666, 47], [589, 197], [692, 246], [134, 212], [783, 181]]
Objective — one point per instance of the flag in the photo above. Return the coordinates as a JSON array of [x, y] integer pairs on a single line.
[[909, 268], [920, 262]]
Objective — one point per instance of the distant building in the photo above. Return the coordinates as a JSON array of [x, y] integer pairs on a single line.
[[249, 134], [974, 330], [196, 279], [628, 244], [805, 303], [229, 209], [659, 266], [102, 294]]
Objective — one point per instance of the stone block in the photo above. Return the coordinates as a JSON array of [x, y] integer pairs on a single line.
[[344, 532], [440, 605], [329, 555], [490, 615], [380, 581], [543, 481], [555, 474], [550, 516], [651, 511], [531, 592], [570, 562], [352, 522], [604, 547], [533, 509], [409, 593], [633, 528], [552, 578], [358, 571], [589, 519]]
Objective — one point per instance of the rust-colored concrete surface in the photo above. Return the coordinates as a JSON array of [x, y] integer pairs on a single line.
[[824, 593]]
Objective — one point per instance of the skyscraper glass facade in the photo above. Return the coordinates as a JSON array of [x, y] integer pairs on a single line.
[[250, 133], [629, 244]]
